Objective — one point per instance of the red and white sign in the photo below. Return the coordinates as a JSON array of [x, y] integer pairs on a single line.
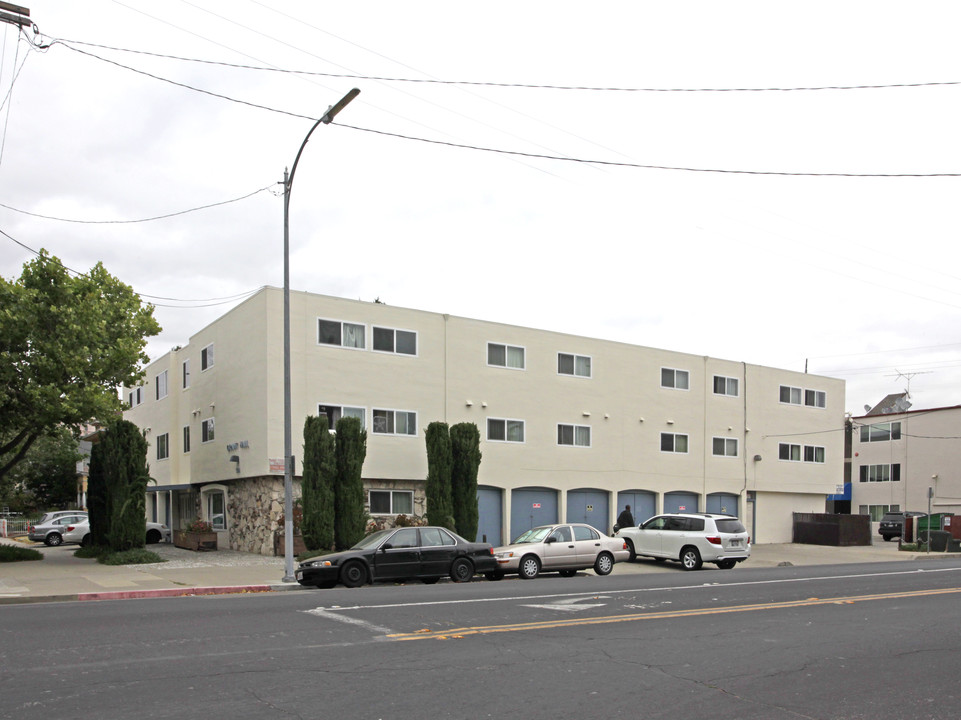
[[537, 506], [682, 508]]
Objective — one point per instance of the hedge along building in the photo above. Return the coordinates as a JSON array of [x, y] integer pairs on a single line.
[[572, 428]]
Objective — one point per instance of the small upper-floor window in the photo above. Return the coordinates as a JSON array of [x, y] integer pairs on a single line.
[[568, 364], [509, 356], [789, 451], [724, 447], [813, 454], [673, 443], [336, 412], [790, 395], [403, 342], [502, 430], [186, 438], [815, 398], [881, 432], [579, 435], [186, 374], [725, 385], [161, 385], [163, 446], [677, 379], [207, 357], [345, 334], [207, 430], [391, 502], [880, 473], [395, 422], [135, 396]]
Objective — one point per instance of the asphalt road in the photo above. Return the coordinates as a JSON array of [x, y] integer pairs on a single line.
[[853, 641]]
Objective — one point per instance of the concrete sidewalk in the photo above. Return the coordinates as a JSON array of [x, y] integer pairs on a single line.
[[61, 576]]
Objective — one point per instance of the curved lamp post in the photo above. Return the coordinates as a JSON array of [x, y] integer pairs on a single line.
[[288, 457]]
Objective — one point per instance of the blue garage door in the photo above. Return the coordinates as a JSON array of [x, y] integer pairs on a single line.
[[643, 504], [490, 511], [530, 507], [680, 502], [722, 503], [590, 506]]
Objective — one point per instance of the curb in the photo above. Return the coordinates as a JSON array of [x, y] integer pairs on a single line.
[[138, 594]]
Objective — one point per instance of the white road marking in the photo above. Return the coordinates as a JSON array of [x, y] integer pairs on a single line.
[[567, 604], [321, 612]]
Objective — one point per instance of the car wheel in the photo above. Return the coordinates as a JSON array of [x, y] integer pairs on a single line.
[[887, 538], [461, 570], [53, 539], [568, 573], [726, 564], [494, 575], [630, 548], [153, 536], [604, 564], [85, 541], [353, 574], [691, 558], [430, 580], [529, 568]]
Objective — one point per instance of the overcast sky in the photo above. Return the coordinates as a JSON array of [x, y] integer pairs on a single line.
[[428, 195]]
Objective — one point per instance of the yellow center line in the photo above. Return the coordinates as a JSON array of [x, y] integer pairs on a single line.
[[571, 622]]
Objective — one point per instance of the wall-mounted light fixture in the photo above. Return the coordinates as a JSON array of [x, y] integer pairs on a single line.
[[586, 413], [469, 403], [757, 458], [483, 404], [236, 459], [670, 422]]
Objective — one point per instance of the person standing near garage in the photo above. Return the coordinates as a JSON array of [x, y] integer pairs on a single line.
[[625, 519]]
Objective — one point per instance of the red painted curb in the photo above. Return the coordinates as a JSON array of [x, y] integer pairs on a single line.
[[173, 592]]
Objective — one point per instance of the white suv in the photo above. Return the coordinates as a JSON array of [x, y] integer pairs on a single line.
[[691, 539]]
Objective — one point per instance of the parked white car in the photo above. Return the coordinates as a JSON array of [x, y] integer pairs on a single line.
[[80, 533], [564, 548], [690, 539]]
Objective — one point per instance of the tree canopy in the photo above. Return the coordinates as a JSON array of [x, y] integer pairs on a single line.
[[66, 344]]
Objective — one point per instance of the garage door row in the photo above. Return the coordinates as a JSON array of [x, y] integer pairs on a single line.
[[533, 506]]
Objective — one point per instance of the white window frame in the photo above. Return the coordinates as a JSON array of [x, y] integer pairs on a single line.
[[393, 341], [343, 325], [393, 494], [819, 398], [163, 446], [674, 437], [206, 497], [207, 430], [575, 361], [160, 385], [880, 432], [135, 396], [355, 411], [507, 348], [674, 376], [206, 357], [392, 422], [185, 374], [728, 381], [727, 444], [578, 435], [186, 439], [506, 438], [812, 451], [792, 393], [879, 472]]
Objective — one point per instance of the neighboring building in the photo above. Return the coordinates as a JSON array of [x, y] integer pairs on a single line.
[[899, 454], [571, 427]]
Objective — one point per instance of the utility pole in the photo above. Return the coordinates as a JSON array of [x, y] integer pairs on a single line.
[[14, 14]]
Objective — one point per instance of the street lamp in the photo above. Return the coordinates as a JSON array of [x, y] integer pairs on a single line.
[[288, 457]]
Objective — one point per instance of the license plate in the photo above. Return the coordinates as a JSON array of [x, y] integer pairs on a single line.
[[735, 543]]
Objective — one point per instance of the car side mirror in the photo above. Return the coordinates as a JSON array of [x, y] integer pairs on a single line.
[[550, 539], [385, 547]]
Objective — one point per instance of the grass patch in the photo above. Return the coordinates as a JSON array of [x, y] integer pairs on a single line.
[[90, 552], [9, 553], [136, 556], [913, 547]]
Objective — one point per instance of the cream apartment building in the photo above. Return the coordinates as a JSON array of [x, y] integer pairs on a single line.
[[572, 428], [898, 456]]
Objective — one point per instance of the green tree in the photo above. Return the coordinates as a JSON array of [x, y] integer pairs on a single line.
[[48, 472], [439, 460], [466, 458], [97, 503], [66, 344], [317, 487], [350, 519], [120, 457]]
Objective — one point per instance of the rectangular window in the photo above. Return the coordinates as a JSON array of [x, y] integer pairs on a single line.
[[579, 365], [877, 511], [725, 385], [395, 422], [815, 398], [499, 430], [880, 473], [403, 342], [881, 432], [163, 446], [186, 438], [207, 430], [677, 379], [186, 374], [673, 442], [578, 435], [790, 395], [391, 502], [135, 397], [725, 447], [336, 412], [813, 454], [344, 334], [789, 452], [509, 356], [207, 357], [161, 385]]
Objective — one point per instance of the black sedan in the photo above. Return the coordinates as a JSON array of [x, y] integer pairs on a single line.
[[425, 553]]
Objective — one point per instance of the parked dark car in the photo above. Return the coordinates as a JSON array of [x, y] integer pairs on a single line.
[[425, 553], [892, 524]]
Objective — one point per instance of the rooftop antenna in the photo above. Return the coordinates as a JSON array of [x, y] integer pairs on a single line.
[[908, 377]]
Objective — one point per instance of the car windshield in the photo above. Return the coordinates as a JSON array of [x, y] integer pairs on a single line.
[[531, 536], [372, 540], [730, 526]]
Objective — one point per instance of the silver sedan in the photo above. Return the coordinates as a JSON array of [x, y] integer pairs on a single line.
[[564, 548]]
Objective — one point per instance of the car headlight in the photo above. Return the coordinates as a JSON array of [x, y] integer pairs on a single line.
[[504, 555], [318, 563]]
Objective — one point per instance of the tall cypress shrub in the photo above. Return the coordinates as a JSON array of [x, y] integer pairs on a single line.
[[317, 489], [124, 458], [465, 463], [439, 507], [350, 519], [97, 498]]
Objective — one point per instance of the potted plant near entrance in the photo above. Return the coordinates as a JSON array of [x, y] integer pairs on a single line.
[[199, 535]]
